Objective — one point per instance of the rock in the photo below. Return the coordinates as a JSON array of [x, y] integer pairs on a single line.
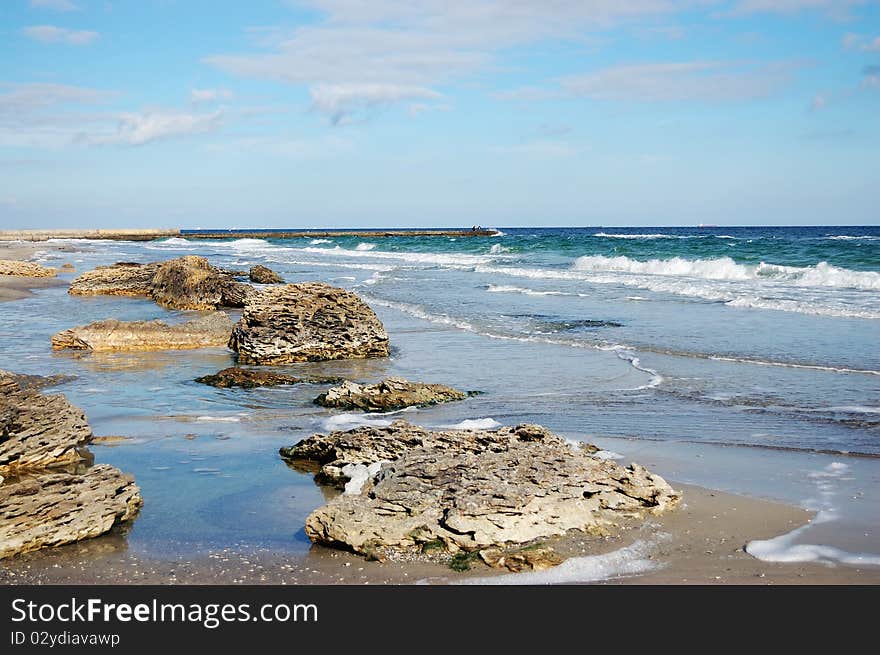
[[51, 509], [68, 267], [311, 321], [387, 395], [112, 335], [24, 269], [120, 279], [38, 430], [249, 378], [35, 381], [530, 558], [184, 283], [192, 283], [469, 489], [262, 275]]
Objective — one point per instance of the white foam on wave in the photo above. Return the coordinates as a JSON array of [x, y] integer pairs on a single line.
[[801, 307], [623, 562], [458, 260], [847, 237], [784, 547], [342, 422], [605, 235], [219, 419], [812, 367], [474, 424], [501, 288], [498, 249], [365, 246], [316, 242]]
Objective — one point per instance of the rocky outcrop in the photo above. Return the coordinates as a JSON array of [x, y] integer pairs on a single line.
[[38, 431], [48, 493], [51, 509], [112, 335], [192, 283], [35, 381], [387, 395], [469, 490], [249, 378], [24, 269], [262, 275], [307, 322], [184, 283], [121, 279]]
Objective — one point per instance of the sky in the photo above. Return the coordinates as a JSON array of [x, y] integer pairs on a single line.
[[374, 113]]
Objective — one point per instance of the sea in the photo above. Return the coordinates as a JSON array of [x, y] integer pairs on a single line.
[[743, 359]]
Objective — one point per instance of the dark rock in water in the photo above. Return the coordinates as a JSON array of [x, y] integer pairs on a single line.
[[470, 490], [249, 378], [112, 335], [24, 269], [35, 381], [52, 509], [311, 321], [387, 395], [192, 283], [262, 275], [37, 430], [120, 279]]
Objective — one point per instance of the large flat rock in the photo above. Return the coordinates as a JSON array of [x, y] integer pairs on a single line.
[[388, 395], [24, 269], [469, 490], [111, 335]]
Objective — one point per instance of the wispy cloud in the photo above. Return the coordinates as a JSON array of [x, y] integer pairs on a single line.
[[340, 102], [852, 41], [695, 81], [137, 129], [53, 34], [838, 9], [57, 5], [207, 96]]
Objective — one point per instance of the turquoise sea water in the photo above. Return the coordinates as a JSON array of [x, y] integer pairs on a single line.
[[753, 347]]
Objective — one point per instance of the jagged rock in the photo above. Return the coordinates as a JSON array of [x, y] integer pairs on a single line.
[[262, 275], [249, 378], [112, 335], [184, 283], [38, 430], [51, 509], [530, 558], [311, 321], [24, 269], [469, 489], [387, 395], [120, 279], [192, 283]]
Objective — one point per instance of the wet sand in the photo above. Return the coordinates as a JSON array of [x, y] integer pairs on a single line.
[[699, 543], [13, 287]]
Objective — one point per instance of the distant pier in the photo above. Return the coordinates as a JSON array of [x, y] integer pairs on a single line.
[[151, 234]]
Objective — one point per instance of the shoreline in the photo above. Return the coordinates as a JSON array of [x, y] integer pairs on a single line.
[[154, 234], [700, 542]]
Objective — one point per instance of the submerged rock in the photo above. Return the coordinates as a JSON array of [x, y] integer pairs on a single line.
[[387, 395], [262, 275], [35, 381], [120, 279], [51, 509], [37, 430], [192, 283], [249, 378], [311, 321], [470, 490], [24, 269], [112, 335]]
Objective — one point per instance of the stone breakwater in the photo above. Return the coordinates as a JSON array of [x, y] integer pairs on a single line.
[[153, 234]]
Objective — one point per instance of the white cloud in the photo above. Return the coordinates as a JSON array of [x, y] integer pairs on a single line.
[[205, 96], [420, 44], [135, 129], [52, 34], [57, 5], [341, 101], [703, 81]]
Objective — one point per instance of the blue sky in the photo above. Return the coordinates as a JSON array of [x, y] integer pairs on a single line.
[[339, 113]]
